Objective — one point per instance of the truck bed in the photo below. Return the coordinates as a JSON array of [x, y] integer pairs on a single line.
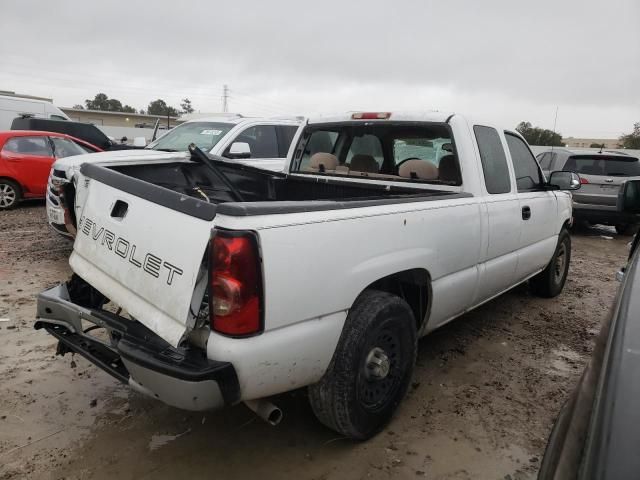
[[262, 192]]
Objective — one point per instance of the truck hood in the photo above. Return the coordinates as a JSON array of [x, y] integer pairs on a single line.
[[119, 157]]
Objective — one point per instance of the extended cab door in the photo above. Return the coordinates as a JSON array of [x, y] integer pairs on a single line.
[[538, 210], [30, 158], [268, 145], [500, 257]]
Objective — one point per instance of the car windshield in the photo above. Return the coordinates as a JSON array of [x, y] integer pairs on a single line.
[[204, 134], [604, 165]]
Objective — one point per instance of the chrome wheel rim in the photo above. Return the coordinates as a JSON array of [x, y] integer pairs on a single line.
[[8, 195]]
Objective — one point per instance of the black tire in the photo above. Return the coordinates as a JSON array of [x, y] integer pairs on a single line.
[[550, 282], [10, 194], [371, 368], [626, 229]]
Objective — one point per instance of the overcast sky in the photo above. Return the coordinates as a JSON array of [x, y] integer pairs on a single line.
[[504, 61]]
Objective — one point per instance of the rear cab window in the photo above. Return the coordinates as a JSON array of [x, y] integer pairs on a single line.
[[605, 165], [399, 151]]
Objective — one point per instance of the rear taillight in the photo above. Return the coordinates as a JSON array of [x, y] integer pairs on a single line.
[[235, 297], [583, 181]]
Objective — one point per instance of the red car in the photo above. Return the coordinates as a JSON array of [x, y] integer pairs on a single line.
[[26, 157]]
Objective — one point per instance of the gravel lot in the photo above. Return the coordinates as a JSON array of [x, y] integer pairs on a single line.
[[486, 390]]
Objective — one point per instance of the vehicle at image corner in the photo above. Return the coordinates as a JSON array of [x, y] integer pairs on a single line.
[[596, 433], [601, 175], [14, 106], [259, 142], [242, 283], [25, 162]]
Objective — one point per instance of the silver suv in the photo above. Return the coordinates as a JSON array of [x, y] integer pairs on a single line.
[[601, 176]]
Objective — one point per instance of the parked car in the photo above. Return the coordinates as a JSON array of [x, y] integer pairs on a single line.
[[596, 434], [26, 158], [259, 142], [13, 106], [244, 283], [601, 175], [84, 131]]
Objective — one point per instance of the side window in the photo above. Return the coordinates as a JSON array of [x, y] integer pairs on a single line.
[[320, 141], [366, 145], [262, 140], [66, 148], [285, 137], [545, 161], [38, 146], [494, 160], [525, 166]]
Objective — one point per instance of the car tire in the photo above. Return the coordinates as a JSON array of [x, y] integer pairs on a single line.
[[625, 229], [371, 368], [550, 282], [10, 194]]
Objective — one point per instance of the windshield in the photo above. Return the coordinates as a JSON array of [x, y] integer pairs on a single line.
[[393, 151], [601, 165], [204, 134]]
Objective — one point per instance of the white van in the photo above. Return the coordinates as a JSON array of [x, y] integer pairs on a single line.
[[13, 106]]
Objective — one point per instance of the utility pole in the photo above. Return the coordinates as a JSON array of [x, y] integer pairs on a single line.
[[225, 97]]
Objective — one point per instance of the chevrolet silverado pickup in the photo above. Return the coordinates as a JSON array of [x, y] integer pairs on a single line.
[[205, 283]]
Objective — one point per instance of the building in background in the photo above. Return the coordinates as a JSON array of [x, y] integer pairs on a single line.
[[101, 118], [572, 142]]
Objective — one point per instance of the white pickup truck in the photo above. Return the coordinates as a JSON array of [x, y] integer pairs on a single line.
[[239, 283], [258, 142]]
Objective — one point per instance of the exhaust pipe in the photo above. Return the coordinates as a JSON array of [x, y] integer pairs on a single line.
[[265, 410]]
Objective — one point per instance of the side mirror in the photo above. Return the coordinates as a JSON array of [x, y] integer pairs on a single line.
[[564, 180], [239, 150], [139, 142], [629, 197]]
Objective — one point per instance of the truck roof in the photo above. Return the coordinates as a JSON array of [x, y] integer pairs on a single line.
[[237, 118], [426, 116]]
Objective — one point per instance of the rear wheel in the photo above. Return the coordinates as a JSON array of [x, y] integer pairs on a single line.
[[371, 367], [550, 282], [10, 194]]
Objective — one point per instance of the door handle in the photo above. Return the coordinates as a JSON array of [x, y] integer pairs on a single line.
[[526, 213]]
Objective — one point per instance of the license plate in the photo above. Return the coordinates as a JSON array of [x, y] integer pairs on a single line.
[[56, 215], [609, 187]]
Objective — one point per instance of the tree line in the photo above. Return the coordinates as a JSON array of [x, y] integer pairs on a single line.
[[157, 107], [545, 137]]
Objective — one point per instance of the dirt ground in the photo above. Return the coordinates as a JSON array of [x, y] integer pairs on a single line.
[[486, 390]]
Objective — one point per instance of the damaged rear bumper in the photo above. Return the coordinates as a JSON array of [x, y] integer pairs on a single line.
[[135, 355]]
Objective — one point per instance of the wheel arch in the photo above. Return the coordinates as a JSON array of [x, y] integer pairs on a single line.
[[413, 286]]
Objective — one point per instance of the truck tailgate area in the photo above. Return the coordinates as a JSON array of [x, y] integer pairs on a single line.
[[143, 256]]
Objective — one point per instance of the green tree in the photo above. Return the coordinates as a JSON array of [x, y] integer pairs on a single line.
[[539, 136], [102, 102], [160, 107], [99, 102], [186, 106], [631, 140], [78, 107]]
